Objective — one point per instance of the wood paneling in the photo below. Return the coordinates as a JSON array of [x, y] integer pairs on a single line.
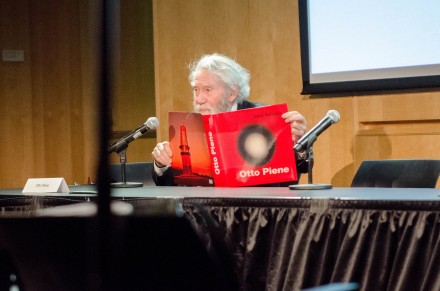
[[134, 99], [48, 105], [56, 88], [42, 111], [16, 134]]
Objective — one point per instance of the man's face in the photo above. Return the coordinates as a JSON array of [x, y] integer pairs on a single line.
[[210, 95]]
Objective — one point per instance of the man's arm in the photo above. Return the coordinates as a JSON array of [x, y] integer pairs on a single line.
[[163, 177], [162, 156]]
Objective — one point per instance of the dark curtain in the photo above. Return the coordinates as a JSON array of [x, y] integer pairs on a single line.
[[312, 243]]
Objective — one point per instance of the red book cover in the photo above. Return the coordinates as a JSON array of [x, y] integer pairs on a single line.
[[240, 148], [191, 164]]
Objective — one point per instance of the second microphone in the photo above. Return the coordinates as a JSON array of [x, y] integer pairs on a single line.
[[151, 124]]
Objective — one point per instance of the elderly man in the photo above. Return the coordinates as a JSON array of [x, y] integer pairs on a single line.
[[219, 85]]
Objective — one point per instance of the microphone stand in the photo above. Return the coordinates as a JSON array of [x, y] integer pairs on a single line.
[[121, 151], [310, 160]]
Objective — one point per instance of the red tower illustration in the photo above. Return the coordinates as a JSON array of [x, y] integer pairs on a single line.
[[184, 152]]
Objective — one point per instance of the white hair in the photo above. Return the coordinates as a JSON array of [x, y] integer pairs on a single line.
[[229, 71]]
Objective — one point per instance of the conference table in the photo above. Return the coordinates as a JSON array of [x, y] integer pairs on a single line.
[[282, 239]]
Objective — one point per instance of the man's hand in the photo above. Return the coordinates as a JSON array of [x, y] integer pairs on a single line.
[[162, 154], [298, 124]]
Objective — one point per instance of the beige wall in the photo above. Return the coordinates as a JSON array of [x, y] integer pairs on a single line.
[[48, 103], [44, 112]]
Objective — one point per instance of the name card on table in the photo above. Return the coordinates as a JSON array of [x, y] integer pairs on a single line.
[[46, 185]]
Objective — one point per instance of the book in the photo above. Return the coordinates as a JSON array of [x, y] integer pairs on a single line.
[[247, 147]]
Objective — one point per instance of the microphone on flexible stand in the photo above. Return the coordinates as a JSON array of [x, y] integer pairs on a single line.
[[151, 124], [304, 147], [120, 147], [310, 137]]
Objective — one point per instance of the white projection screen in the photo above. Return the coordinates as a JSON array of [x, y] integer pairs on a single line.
[[369, 45]]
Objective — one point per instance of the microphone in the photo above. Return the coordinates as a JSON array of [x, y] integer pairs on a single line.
[[151, 124], [310, 137]]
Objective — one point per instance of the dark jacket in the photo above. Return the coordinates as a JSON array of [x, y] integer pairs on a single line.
[[167, 178]]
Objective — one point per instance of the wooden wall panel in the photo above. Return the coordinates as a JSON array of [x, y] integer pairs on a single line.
[[89, 44], [49, 102], [406, 106], [56, 87], [134, 100], [15, 94]]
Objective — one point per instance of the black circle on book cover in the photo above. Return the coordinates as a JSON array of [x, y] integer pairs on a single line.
[[256, 144]]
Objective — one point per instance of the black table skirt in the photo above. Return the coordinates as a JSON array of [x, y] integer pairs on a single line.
[[291, 248]]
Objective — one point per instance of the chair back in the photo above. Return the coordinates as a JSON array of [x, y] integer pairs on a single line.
[[134, 172], [405, 173]]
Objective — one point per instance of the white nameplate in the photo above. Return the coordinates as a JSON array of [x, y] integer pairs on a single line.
[[46, 185]]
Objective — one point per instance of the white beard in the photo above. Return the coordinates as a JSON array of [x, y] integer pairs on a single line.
[[224, 106]]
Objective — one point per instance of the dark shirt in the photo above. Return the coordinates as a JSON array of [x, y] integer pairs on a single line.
[[167, 178]]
